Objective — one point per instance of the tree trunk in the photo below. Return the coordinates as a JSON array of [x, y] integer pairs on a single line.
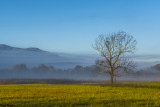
[[111, 79]]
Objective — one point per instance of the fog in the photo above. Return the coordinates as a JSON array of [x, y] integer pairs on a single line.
[[11, 57], [21, 71], [33, 63], [42, 71]]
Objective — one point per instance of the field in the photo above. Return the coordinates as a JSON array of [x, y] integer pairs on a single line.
[[94, 94]]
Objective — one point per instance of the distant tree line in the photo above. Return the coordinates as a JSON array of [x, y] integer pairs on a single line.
[[78, 72], [47, 68]]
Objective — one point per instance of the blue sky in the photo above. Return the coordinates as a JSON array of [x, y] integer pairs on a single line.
[[71, 26]]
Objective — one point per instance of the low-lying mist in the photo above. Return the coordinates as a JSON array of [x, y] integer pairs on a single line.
[[34, 63], [21, 71]]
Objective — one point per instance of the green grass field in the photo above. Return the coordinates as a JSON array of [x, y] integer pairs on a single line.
[[97, 95]]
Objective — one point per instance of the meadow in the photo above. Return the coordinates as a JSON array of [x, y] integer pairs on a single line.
[[124, 94]]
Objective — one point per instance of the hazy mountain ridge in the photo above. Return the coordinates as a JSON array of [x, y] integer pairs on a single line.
[[6, 47], [156, 67], [33, 56]]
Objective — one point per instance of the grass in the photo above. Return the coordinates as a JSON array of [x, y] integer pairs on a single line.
[[97, 95]]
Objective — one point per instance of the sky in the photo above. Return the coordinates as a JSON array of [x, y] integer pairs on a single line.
[[71, 26]]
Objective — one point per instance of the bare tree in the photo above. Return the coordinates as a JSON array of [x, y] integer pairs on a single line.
[[114, 49]]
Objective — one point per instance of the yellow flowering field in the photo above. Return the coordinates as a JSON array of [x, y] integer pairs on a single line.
[[92, 95]]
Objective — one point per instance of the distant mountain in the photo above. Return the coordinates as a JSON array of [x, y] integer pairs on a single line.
[[153, 70], [10, 56], [156, 67], [6, 47], [35, 49]]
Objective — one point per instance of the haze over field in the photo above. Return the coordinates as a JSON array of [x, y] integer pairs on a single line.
[[35, 63], [34, 56]]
